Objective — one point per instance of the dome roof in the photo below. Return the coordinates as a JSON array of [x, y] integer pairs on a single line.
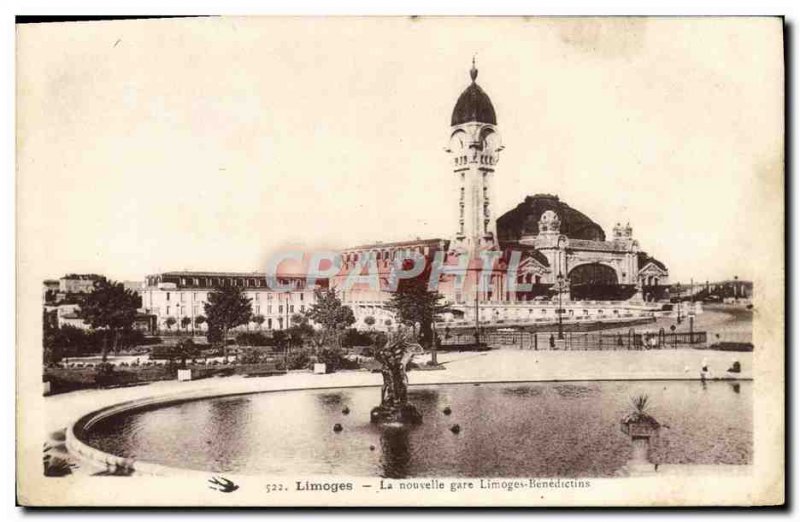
[[524, 220], [473, 105]]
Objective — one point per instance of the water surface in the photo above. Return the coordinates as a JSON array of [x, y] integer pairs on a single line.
[[507, 430]]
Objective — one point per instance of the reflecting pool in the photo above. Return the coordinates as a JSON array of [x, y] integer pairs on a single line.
[[507, 429]]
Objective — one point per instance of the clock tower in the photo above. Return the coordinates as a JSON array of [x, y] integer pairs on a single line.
[[474, 148]]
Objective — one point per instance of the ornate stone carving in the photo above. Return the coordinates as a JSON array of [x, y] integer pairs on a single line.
[[549, 223]]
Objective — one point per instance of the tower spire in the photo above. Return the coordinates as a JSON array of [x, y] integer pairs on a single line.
[[473, 73]]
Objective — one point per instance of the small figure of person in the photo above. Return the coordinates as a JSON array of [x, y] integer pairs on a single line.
[[736, 367], [704, 371], [552, 341]]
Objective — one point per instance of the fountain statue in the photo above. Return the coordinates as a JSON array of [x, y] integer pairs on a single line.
[[394, 355]]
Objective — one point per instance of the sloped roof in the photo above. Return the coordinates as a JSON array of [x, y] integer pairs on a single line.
[[509, 246], [645, 259]]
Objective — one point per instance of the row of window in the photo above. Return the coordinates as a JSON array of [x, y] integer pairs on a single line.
[[385, 255], [199, 310], [244, 282], [256, 296], [269, 324]]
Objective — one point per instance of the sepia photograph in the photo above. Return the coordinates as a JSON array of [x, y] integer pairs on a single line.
[[400, 261]]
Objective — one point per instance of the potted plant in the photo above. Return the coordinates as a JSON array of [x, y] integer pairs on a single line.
[[641, 427]]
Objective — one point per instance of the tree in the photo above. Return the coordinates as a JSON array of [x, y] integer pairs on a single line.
[[299, 330], [170, 322], [199, 320], [71, 341], [110, 308], [53, 351], [413, 303], [328, 312], [369, 321], [259, 320], [353, 337], [279, 338], [227, 308], [185, 322]]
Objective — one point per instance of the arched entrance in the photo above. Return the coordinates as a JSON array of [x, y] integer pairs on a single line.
[[598, 282]]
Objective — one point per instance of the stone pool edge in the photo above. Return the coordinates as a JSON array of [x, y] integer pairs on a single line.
[[122, 465]]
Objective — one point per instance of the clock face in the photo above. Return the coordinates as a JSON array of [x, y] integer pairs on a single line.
[[457, 142], [490, 141]]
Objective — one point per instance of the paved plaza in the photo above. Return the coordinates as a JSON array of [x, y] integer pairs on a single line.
[[494, 366]]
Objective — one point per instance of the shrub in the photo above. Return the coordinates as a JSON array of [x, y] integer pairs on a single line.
[[298, 360], [335, 360], [105, 374], [71, 341], [253, 339], [162, 351], [366, 351], [353, 337], [253, 356]]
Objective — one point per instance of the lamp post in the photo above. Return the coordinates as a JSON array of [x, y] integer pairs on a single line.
[[477, 308], [679, 303], [560, 279]]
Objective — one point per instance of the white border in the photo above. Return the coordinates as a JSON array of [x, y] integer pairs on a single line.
[[423, 7]]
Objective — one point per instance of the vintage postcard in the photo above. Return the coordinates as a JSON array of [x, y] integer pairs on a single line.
[[400, 261]]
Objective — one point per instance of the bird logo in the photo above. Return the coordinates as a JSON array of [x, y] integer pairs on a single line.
[[222, 484]]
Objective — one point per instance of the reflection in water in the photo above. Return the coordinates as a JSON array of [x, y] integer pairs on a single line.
[[507, 430], [573, 391], [333, 399], [429, 395], [523, 391], [227, 422], [395, 451]]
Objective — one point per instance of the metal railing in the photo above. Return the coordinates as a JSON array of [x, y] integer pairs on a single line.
[[630, 340]]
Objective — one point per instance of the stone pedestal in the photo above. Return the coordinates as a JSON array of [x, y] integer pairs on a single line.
[[640, 450], [642, 429], [404, 414], [185, 375]]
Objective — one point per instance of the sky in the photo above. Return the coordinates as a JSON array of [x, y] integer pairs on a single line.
[[208, 144]]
